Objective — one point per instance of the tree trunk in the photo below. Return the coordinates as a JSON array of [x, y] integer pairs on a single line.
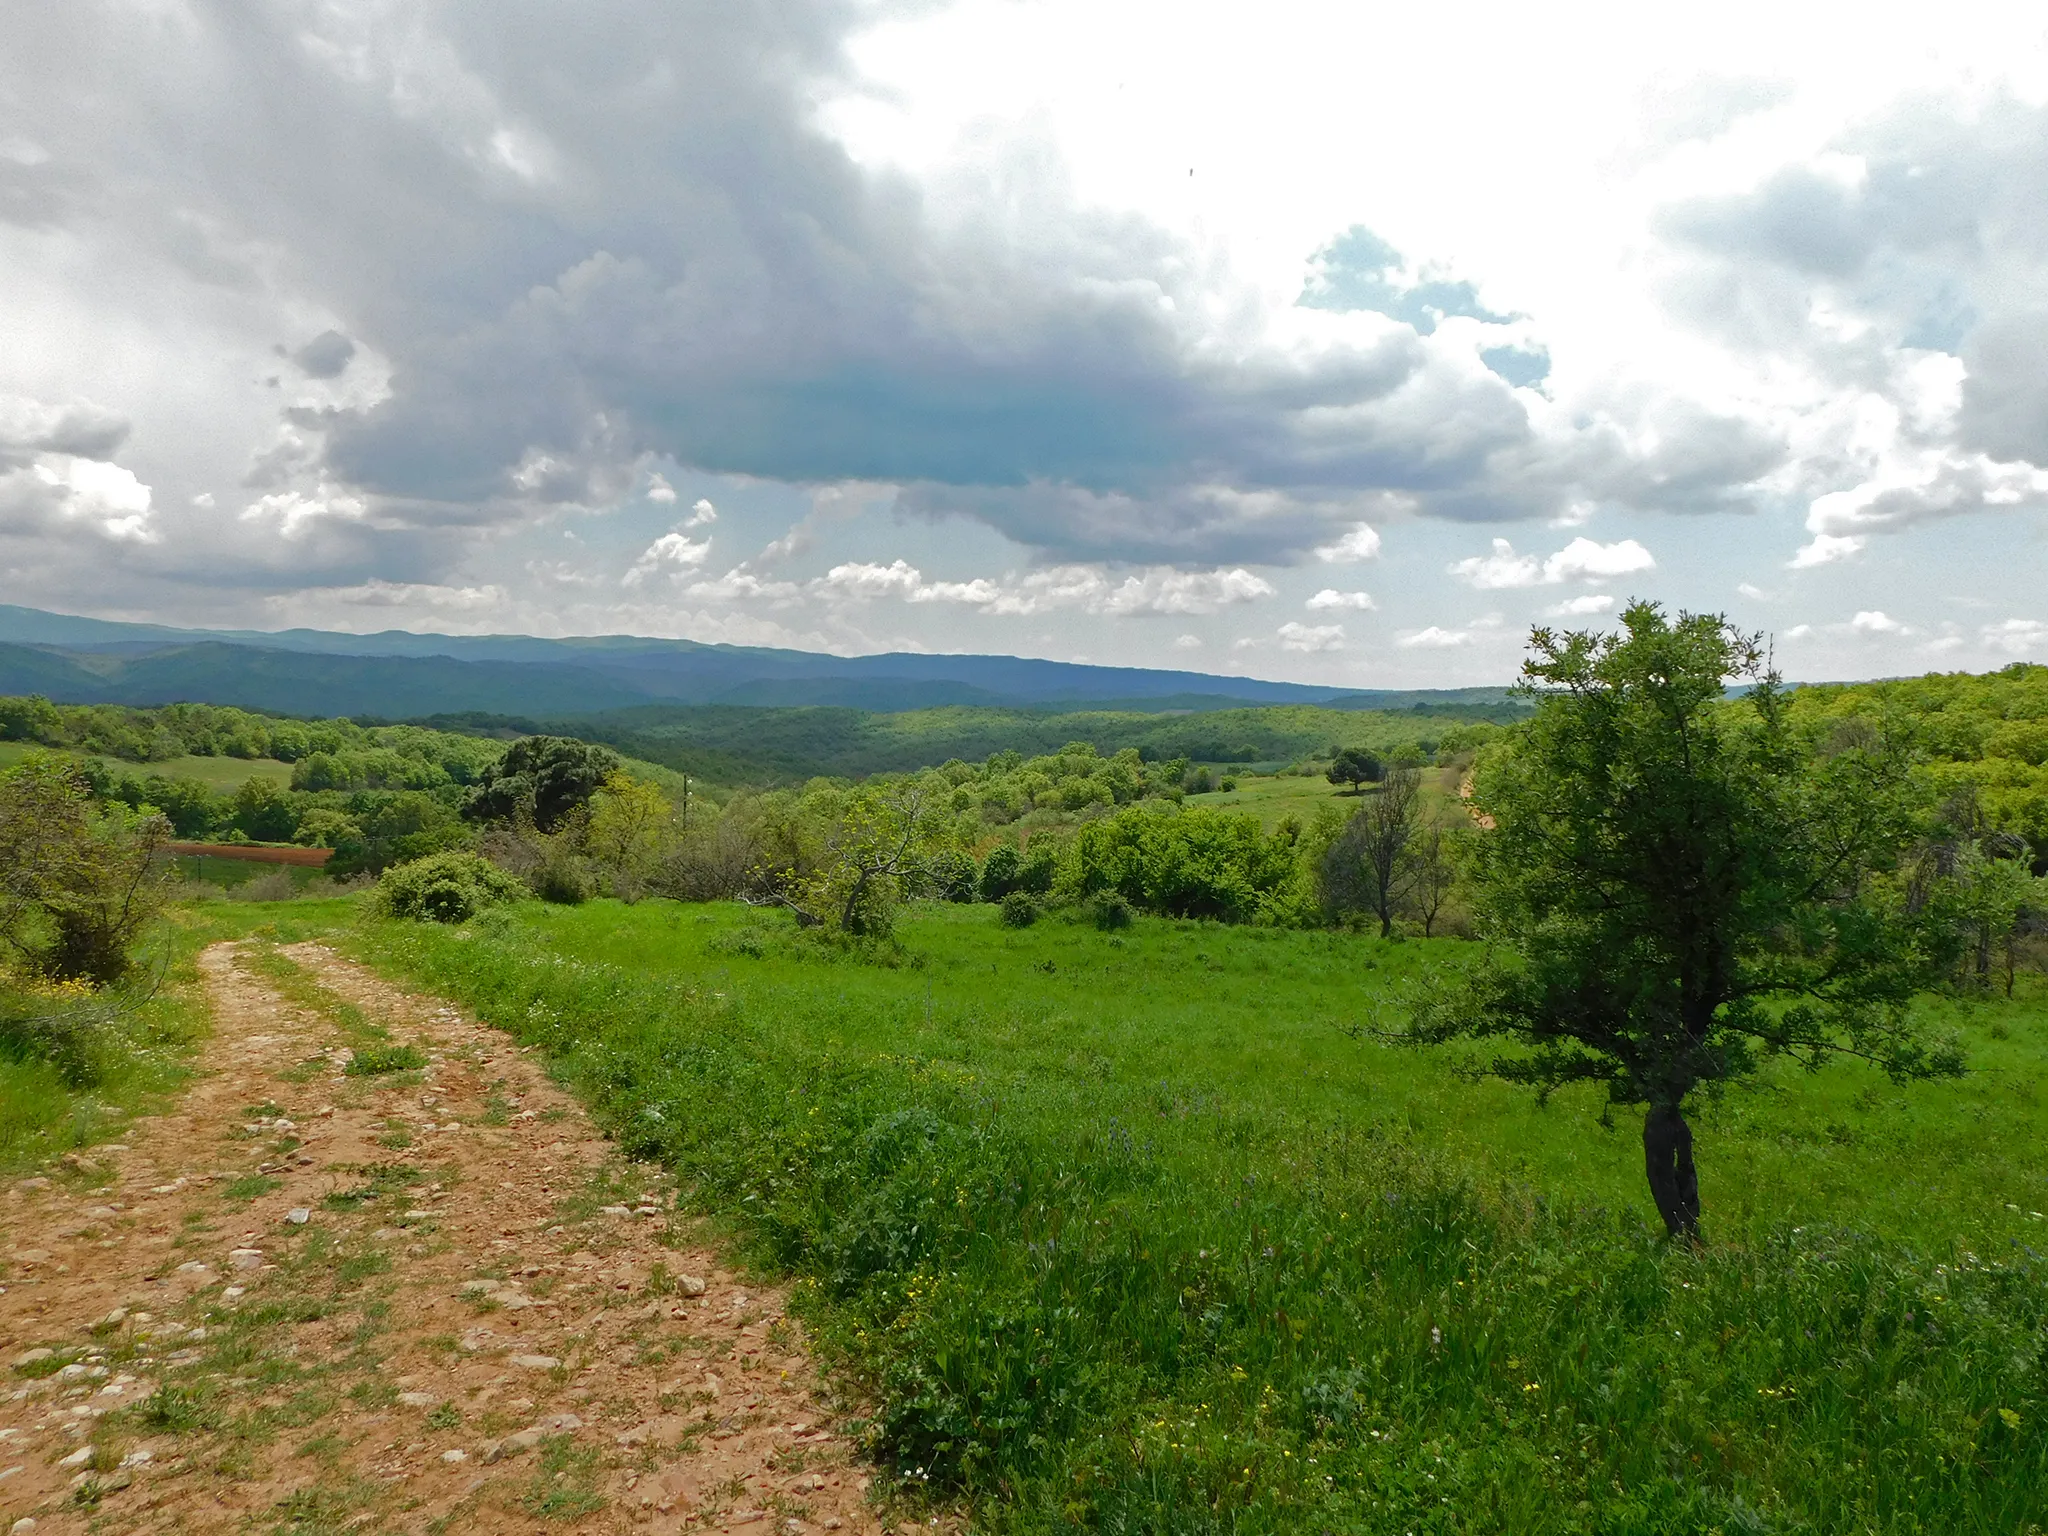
[[1667, 1158]]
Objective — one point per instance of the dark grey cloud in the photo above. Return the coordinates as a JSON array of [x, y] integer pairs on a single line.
[[325, 356], [551, 245]]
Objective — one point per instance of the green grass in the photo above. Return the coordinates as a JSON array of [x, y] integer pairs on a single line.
[[1124, 1233], [375, 1060], [139, 1052], [222, 775]]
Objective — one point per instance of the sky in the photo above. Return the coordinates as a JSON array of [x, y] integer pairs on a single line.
[[1331, 342]]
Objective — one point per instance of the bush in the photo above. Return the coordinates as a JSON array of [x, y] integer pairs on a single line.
[[562, 879], [1019, 909], [1109, 911], [999, 873], [950, 875], [445, 888], [1228, 786]]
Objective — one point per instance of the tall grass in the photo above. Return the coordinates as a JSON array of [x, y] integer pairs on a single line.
[[1083, 1301], [76, 1065]]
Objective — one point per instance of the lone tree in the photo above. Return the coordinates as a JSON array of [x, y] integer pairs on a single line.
[[1371, 865], [1679, 888], [1357, 767]]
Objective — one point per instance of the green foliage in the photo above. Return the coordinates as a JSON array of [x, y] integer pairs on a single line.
[[445, 888], [1679, 888], [1114, 1248], [950, 875], [999, 872], [376, 1060], [735, 745], [1109, 911], [1356, 766], [78, 882], [1977, 732], [1184, 863], [542, 779], [1019, 909]]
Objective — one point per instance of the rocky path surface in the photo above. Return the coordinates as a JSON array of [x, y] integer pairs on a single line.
[[374, 1273]]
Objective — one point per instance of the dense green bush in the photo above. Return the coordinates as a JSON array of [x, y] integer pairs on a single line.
[[1184, 863], [1019, 909], [445, 888], [1109, 911]]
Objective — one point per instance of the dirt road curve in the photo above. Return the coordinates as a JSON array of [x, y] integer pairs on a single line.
[[421, 1299]]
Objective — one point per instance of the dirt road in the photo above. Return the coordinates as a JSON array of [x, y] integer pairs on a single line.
[[374, 1273]]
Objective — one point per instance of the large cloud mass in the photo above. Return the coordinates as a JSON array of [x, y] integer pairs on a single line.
[[347, 298]]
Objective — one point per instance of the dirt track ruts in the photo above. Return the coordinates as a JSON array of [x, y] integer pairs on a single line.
[[415, 1301]]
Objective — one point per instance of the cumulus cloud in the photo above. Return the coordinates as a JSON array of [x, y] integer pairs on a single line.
[[1892, 281], [544, 260], [1435, 638], [57, 475], [674, 555], [1875, 621], [1581, 560], [1581, 607], [1330, 598], [1311, 638], [2017, 637], [1825, 549], [1360, 543]]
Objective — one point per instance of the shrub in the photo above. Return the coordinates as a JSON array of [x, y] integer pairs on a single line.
[[562, 879], [999, 873], [1109, 911], [950, 875], [1019, 909], [445, 888], [1228, 786]]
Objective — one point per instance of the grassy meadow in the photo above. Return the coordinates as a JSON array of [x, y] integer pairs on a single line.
[[222, 775], [1124, 1231]]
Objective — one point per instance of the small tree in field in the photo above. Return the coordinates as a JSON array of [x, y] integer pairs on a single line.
[[1357, 767], [1678, 888]]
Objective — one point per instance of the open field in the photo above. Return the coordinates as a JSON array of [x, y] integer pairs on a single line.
[[1122, 1232], [222, 775]]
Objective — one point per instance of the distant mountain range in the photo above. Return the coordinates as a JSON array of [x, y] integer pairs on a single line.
[[397, 675]]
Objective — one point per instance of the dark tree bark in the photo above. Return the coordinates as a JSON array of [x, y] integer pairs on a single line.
[[1667, 1158]]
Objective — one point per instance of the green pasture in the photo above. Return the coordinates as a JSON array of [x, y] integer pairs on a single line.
[[1126, 1232], [1274, 797], [222, 775]]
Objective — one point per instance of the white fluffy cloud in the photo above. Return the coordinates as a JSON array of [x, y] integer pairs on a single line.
[[674, 555], [1435, 638], [2017, 637], [1157, 591], [1331, 598], [1590, 604], [1361, 543], [1581, 560]]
